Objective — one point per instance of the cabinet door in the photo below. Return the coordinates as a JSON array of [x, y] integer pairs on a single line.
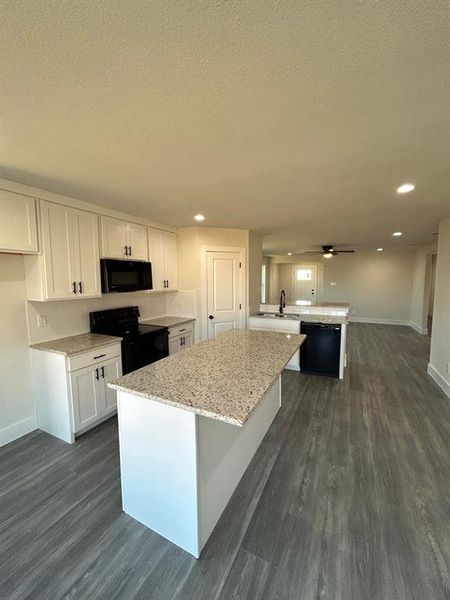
[[87, 253], [174, 345], [59, 251], [110, 370], [171, 259], [114, 238], [137, 240], [18, 227], [87, 396], [188, 339], [156, 245]]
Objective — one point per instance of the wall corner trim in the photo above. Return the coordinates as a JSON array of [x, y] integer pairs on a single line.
[[439, 379], [17, 430], [418, 328]]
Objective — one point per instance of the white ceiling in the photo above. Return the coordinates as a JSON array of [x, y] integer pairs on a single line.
[[294, 118]]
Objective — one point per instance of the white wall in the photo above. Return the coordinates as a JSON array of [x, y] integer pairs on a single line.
[[255, 256], [439, 367], [378, 285], [17, 415]]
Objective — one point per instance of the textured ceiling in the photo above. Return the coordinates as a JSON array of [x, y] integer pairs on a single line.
[[294, 118]]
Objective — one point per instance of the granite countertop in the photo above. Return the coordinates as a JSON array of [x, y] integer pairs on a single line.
[[320, 317], [77, 344], [167, 321], [224, 379]]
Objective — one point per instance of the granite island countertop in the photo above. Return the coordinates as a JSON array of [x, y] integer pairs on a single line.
[[224, 379], [167, 321], [77, 344]]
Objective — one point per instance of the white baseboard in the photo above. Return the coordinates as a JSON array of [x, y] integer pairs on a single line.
[[439, 379], [418, 328], [378, 321], [17, 430]]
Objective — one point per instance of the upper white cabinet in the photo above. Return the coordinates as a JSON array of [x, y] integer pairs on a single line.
[[121, 239], [18, 224], [69, 266], [163, 254]]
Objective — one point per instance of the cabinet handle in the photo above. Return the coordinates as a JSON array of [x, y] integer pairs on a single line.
[[129, 250], [126, 250], [167, 282], [97, 376], [103, 372], [181, 330], [80, 287], [74, 287], [99, 356]]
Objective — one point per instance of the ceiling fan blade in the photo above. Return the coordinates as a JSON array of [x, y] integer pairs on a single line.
[[344, 251]]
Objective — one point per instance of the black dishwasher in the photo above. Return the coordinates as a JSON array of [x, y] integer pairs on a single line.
[[320, 352]]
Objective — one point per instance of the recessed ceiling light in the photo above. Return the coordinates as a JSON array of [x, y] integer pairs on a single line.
[[289, 253], [397, 233], [405, 188], [328, 255], [199, 218], [379, 249]]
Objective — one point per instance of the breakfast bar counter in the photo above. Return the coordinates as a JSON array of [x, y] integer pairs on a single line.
[[189, 426]]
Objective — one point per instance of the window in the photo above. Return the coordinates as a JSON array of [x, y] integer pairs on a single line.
[[304, 274], [263, 284]]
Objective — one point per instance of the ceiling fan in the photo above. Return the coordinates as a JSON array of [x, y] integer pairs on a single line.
[[328, 251]]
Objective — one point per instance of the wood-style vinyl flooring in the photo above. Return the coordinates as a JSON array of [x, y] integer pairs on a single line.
[[347, 498]]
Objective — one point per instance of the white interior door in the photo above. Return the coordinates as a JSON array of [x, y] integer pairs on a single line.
[[224, 292], [304, 284]]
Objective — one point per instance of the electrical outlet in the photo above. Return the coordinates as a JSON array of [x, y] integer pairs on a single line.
[[42, 320]]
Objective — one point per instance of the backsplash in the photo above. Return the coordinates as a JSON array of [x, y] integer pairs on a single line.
[[71, 317]]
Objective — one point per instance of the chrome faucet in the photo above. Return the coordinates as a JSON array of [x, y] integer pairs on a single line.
[[282, 301]]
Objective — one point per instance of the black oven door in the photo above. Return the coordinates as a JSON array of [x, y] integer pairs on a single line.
[[125, 275], [144, 349]]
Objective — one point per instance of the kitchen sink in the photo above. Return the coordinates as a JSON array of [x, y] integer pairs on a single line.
[[279, 316]]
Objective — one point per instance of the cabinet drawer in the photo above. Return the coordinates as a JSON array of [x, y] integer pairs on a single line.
[[180, 329], [80, 361]]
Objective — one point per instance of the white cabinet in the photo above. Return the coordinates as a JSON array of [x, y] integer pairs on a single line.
[[121, 239], [18, 223], [69, 265], [163, 254], [91, 397], [181, 337], [71, 392]]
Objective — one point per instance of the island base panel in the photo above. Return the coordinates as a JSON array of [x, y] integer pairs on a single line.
[[179, 469]]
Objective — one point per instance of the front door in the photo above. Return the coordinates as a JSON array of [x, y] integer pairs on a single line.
[[304, 284], [224, 290]]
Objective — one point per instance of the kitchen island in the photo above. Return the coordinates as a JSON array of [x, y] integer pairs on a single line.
[[189, 426]]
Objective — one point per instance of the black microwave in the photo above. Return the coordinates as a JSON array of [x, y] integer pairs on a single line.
[[125, 275]]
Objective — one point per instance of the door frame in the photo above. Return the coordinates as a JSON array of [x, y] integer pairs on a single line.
[[303, 266], [204, 284]]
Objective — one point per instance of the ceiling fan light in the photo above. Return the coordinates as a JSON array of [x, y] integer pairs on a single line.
[[328, 255]]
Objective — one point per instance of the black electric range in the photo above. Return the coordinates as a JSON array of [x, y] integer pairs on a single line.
[[141, 344]]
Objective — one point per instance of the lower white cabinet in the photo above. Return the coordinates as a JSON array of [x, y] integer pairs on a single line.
[[91, 397], [181, 337], [71, 392]]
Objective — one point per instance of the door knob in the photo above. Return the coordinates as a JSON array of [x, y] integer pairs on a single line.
[[211, 317]]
